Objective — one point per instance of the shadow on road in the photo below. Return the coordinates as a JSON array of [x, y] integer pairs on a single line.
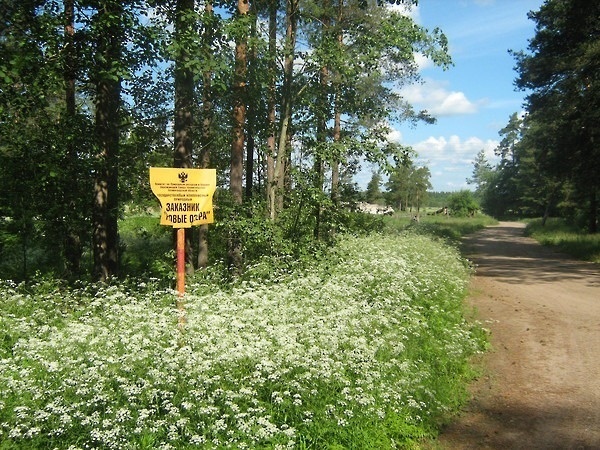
[[515, 421], [504, 252]]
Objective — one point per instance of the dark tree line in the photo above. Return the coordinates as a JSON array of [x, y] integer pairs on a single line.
[[282, 98], [550, 158]]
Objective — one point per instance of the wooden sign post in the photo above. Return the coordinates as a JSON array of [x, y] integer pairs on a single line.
[[185, 197]]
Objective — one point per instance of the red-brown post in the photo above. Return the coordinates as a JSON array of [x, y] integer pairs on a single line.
[[181, 273]]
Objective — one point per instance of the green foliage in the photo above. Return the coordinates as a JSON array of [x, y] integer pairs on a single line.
[[366, 348], [549, 158], [482, 173], [437, 199], [44, 139], [373, 193], [501, 189], [146, 247], [258, 235], [356, 223], [566, 238], [563, 105], [407, 186], [274, 246], [132, 45], [463, 204]]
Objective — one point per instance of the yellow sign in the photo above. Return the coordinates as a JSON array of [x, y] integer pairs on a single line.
[[185, 195]]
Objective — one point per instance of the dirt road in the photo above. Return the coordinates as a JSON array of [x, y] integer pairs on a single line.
[[541, 383]]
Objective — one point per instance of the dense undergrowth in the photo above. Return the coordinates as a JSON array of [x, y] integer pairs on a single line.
[[366, 348]]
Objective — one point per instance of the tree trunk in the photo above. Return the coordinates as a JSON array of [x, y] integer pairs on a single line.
[[239, 110], [108, 96], [69, 8], [250, 151], [237, 147], [337, 121], [270, 185], [251, 113], [335, 164], [207, 125], [72, 240], [184, 103], [321, 144], [286, 104], [322, 117], [546, 214]]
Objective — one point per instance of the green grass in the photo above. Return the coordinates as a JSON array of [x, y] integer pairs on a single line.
[[368, 348], [566, 238], [452, 228]]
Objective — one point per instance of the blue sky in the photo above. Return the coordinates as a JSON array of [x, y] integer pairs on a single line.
[[473, 99]]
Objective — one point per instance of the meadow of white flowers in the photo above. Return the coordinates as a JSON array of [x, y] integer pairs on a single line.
[[367, 349]]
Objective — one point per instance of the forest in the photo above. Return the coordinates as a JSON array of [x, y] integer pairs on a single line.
[[549, 156], [283, 99]]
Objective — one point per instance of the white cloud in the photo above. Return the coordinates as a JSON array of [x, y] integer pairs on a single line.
[[455, 103], [394, 136], [438, 100], [423, 62], [453, 150], [449, 159]]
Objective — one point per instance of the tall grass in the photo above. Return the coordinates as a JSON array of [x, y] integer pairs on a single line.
[[566, 238], [367, 349]]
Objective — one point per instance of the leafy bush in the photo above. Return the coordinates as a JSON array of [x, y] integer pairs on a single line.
[[463, 204]]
